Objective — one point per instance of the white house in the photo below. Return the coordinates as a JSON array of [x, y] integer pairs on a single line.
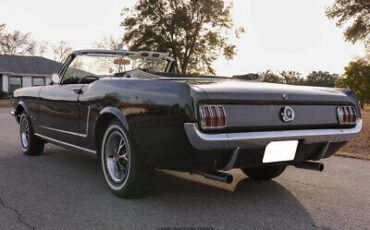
[[24, 71]]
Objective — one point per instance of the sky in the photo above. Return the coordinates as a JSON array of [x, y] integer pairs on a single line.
[[280, 35]]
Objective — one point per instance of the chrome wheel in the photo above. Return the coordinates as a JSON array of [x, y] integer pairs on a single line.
[[124, 171], [25, 132], [116, 154]]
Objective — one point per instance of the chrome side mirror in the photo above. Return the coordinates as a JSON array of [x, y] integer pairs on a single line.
[[55, 79]]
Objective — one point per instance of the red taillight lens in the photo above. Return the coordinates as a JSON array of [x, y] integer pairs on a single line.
[[340, 114], [207, 117], [346, 115], [212, 116], [222, 116], [353, 114]]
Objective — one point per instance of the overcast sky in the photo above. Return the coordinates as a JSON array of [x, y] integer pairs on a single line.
[[280, 35]]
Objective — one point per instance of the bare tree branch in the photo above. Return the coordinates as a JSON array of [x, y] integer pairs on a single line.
[[110, 43], [61, 51], [15, 43]]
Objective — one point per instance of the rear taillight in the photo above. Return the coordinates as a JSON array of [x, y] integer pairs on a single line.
[[346, 115], [212, 116]]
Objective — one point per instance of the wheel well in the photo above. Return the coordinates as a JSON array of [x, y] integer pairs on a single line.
[[100, 126]]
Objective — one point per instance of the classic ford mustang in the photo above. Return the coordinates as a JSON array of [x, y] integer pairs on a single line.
[[136, 113]]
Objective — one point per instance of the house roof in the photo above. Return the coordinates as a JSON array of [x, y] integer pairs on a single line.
[[33, 65]]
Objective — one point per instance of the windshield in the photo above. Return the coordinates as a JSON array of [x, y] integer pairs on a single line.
[[103, 65]]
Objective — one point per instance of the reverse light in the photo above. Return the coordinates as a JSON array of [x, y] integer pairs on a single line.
[[212, 116], [346, 115]]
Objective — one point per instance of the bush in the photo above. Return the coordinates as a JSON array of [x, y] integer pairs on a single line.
[[357, 78], [315, 78], [4, 94]]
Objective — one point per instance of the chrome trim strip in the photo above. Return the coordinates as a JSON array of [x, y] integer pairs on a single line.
[[64, 143], [59, 130], [206, 141], [87, 123]]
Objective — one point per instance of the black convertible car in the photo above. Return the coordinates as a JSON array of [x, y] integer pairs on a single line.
[[136, 113]]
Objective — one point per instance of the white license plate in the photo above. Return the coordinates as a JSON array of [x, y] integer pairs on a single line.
[[277, 151]]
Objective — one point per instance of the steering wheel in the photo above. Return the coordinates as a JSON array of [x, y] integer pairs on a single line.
[[87, 76]]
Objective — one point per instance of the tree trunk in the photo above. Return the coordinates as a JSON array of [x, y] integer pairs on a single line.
[[184, 66]]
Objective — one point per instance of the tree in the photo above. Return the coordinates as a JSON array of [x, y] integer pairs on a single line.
[[20, 43], [42, 48], [291, 78], [269, 76], [357, 78], [109, 43], [15, 42], [61, 51], [315, 78], [37, 48], [353, 12], [194, 32], [320, 78], [2, 27]]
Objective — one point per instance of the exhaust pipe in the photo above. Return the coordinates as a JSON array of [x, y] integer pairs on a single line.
[[310, 165], [217, 176]]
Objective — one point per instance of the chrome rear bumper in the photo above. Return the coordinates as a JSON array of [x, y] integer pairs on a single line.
[[205, 141]]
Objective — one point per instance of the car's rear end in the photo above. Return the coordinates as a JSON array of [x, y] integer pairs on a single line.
[[248, 124]]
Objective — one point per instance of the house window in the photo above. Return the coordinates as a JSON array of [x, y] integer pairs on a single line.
[[14, 83], [38, 81]]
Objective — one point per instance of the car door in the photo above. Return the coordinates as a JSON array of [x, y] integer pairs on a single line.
[[58, 109], [58, 112]]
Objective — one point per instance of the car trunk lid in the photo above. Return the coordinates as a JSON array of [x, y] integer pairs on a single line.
[[263, 93], [257, 106]]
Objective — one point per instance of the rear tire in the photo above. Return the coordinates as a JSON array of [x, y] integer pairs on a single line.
[[31, 144], [124, 171], [264, 172]]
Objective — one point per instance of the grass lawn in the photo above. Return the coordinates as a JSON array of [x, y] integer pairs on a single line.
[[361, 144]]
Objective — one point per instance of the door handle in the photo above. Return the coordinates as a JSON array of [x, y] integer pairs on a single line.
[[78, 91]]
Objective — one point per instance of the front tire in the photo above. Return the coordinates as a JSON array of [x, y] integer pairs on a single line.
[[264, 172], [124, 171], [31, 144]]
